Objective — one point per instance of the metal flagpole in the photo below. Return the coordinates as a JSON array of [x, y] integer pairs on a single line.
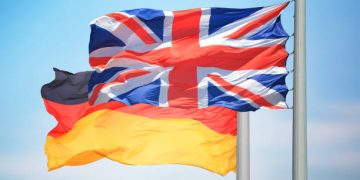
[[299, 113], [243, 146]]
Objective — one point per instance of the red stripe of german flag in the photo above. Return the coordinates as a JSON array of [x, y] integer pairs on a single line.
[[140, 134]]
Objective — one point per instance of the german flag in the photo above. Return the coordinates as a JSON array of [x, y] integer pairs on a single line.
[[136, 135]]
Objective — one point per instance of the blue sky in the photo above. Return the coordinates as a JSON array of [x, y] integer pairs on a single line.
[[38, 35]]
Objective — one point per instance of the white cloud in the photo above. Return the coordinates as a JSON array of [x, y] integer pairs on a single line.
[[333, 142]]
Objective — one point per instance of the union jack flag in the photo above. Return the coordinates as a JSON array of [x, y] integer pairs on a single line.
[[193, 58]]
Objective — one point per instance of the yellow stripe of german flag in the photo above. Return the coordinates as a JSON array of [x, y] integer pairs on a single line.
[[134, 139]]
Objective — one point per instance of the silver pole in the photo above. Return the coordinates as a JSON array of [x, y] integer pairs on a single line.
[[243, 146], [299, 113]]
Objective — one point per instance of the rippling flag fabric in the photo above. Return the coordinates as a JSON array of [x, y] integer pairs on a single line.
[[136, 135], [166, 86], [194, 58]]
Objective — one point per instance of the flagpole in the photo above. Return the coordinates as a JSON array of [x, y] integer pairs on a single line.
[[243, 146], [299, 113]]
